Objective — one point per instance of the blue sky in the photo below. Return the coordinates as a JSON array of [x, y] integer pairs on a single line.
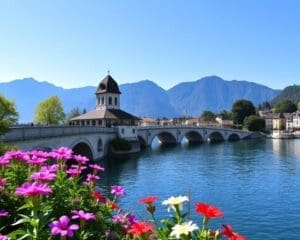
[[74, 43]]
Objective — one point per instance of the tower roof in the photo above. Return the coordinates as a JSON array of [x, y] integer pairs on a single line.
[[108, 85]]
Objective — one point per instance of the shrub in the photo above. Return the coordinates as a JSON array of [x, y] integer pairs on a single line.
[[255, 123]]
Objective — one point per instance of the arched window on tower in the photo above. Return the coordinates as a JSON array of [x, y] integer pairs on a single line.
[[116, 101], [109, 101]]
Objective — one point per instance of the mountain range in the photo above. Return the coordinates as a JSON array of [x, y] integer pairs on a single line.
[[143, 98]]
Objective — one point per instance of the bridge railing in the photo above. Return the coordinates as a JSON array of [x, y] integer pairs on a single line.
[[217, 127], [27, 132]]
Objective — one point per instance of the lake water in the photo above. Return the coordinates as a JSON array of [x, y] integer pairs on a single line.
[[255, 183]]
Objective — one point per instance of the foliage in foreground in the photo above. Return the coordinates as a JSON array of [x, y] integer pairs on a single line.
[[44, 196]]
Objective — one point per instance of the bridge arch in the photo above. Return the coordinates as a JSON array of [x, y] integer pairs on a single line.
[[142, 141], [165, 137], [84, 148], [234, 137], [215, 136], [192, 137]]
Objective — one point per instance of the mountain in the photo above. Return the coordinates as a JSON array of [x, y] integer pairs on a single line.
[[215, 94], [144, 98], [289, 93], [27, 93]]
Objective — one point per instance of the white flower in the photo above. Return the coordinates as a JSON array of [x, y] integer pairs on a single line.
[[183, 229], [175, 201]]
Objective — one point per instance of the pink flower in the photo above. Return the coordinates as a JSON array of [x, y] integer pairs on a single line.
[[125, 219], [83, 215], [4, 161], [40, 154], [52, 168], [33, 189], [74, 172], [61, 227], [80, 168], [3, 213], [96, 167], [117, 190], [2, 237], [43, 176], [16, 155], [62, 153], [36, 161], [2, 182], [81, 159]]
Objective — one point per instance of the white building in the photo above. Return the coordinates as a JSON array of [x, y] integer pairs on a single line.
[[293, 122], [107, 112]]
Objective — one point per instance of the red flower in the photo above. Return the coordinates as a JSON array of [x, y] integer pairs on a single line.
[[228, 232], [148, 200], [99, 197], [139, 228], [113, 205], [208, 211]]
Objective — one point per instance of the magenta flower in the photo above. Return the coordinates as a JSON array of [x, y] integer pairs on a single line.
[[2, 237], [4, 161], [17, 155], [83, 215], [3, 213], [74, 172], [81, 159], [2, 182], [33, 189], [43, 176], [61, 227], [52, 168], [40, 154], [62, 153], [96, 167], [36, 161], [80, 168], [117, 190]]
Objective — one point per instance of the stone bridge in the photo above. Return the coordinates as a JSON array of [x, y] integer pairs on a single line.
[[93, 141], [175, 134], [86, 140]]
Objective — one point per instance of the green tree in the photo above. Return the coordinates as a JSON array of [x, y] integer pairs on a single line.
[[241, 109], [225, 115], [286, 106], [8, 114], [255, 123], [207, 116], [50, 111], [75, 112]]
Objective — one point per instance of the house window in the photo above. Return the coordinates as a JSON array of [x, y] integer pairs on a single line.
[[109, 101], [133, 130], [102, 101], [122, 130], [116, 101], [100, 122]]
